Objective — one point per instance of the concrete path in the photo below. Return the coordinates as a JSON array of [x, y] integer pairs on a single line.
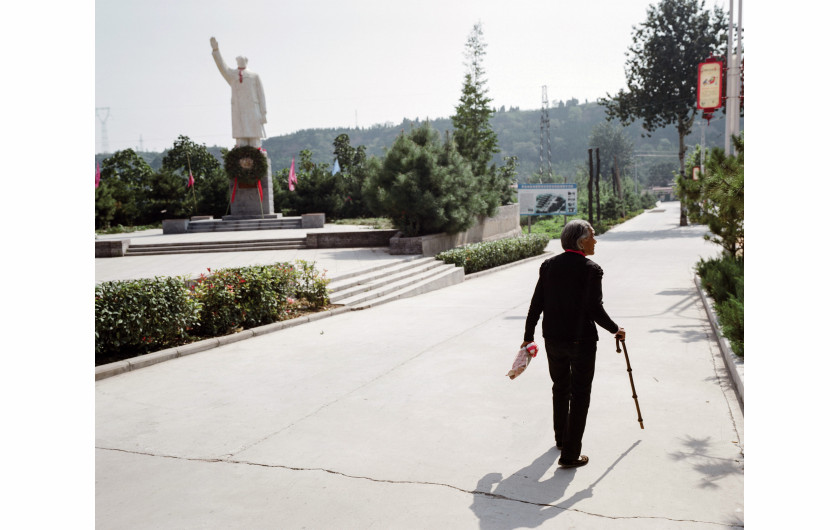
[[335, 261], [400, 416]]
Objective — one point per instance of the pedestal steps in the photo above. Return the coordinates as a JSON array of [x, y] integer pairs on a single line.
[[387, 283], [219, 225], [216, 246]]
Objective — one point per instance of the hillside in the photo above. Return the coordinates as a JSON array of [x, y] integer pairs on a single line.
[[518, 134]]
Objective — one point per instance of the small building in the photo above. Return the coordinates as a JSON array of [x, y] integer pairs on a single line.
[[664, 193]]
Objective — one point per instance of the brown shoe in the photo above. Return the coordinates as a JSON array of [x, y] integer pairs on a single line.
[[581, 461]]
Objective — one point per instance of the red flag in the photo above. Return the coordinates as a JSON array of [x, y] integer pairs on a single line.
[[259, 187], [292, 176], [191, 181], [233, 194], [97, 174]]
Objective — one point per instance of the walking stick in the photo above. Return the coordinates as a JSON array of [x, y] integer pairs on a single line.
[[630, 373]]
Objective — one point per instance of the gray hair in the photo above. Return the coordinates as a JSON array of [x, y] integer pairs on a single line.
[[574, 233]]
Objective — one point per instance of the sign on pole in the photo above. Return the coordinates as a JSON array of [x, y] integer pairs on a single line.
[[547, 199], [710, 85]]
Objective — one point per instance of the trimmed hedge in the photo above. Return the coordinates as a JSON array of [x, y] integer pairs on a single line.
[[486, 255], [723, 279], [140, 316]]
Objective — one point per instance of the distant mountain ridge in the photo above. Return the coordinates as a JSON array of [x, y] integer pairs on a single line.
[[518, 133]]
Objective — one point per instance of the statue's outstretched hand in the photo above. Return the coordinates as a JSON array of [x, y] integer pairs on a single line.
[[214, 44]]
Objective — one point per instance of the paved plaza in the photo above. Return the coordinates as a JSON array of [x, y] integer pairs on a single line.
[[400, 416]]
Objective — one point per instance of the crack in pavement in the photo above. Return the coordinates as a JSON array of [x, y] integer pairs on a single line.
[[409, 482]]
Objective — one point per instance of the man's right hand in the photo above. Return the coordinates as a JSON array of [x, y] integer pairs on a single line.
[[620, 334], [214, 44]]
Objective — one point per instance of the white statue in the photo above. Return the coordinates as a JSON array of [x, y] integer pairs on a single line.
[[247, 99]]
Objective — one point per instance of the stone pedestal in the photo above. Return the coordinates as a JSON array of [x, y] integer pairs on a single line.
[[175, 226], [312, 220], [246, 203]]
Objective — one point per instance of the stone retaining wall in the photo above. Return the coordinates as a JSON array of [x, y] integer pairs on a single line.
[[355, 239], [111, 248], [504, 224]]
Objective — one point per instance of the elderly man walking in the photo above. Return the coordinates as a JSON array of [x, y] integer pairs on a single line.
[[568, 295]]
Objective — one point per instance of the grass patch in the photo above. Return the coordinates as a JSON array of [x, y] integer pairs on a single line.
[[377, 223], [120, 229]]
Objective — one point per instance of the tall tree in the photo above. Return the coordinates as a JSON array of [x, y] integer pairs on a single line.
[[352, 162], [614, 144], [474, 137], [128, 178], [662, 68], [186, 156]]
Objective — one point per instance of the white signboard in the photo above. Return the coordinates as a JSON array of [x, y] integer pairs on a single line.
[[547, 199]]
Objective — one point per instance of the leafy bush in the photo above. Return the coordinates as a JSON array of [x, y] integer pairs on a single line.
[[648, 200], [247, 297], [139, 316], [723, 279], [489, 254]]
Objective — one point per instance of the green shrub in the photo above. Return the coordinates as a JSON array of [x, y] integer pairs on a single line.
[[720, 276], [723, 279], [731, 316], [139, 316], [310, 285], [489, 254], [247, 297]]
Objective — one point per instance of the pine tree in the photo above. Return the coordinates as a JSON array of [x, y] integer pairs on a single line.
[[424, 186], [475, 138]]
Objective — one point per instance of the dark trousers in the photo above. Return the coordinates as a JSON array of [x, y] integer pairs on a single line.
[[572, 367]]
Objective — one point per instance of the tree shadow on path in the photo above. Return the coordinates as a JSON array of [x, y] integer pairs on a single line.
[[523, 500]]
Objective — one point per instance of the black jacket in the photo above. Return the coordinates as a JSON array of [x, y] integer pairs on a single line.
[[568, 294]]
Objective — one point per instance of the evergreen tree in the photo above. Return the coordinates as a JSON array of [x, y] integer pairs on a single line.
[[424, 186], [717, 198], [475, 138]]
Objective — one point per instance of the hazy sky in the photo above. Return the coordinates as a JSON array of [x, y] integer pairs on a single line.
[[327, 63]]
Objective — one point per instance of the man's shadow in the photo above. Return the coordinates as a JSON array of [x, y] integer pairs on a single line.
[[523, 500]]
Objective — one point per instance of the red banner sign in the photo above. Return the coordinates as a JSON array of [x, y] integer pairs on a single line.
[[710, 84]]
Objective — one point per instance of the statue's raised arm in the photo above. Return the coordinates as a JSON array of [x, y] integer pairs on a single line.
[[248, 110]]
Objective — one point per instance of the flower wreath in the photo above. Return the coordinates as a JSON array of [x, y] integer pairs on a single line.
[[246, 163]]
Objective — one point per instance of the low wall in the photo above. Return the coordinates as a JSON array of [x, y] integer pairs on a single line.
[[355, 239], [504, 224], [111, 248], [312, 220], [175, 226]]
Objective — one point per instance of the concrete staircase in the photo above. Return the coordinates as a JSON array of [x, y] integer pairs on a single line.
[[216, 246], [219, 225], [379, 285]]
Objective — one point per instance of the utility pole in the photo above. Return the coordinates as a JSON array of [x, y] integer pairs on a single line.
[[103, 117], [545, 135], [733, 79], [589, 186], [140, 147], [598, 182]]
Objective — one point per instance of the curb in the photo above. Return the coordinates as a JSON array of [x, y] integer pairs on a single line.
[[128, 365], [111, 369], [734, 364], [544, 255]]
